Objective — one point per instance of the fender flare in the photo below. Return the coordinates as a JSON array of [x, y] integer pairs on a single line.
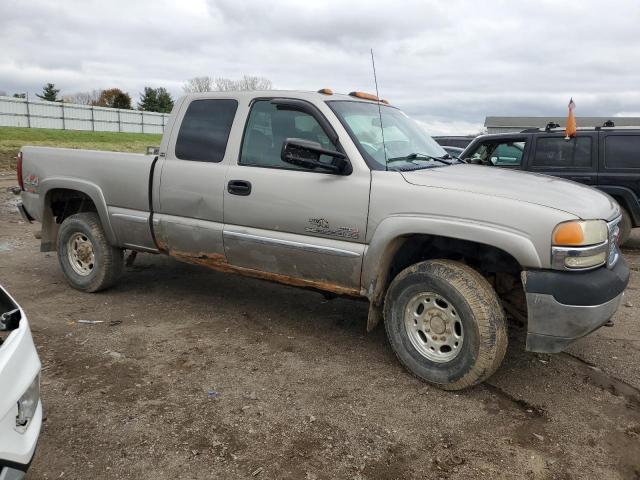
[[93, 191], [391, 232]]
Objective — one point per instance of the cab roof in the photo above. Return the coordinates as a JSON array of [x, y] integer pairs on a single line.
[[299, 94]]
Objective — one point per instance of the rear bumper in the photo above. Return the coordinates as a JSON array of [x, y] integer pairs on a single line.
[[565, 306]]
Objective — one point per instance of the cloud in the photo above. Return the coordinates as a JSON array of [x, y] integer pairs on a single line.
[[449, 64]]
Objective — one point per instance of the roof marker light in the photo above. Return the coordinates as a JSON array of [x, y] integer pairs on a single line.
[[364, 96], [368, 96]]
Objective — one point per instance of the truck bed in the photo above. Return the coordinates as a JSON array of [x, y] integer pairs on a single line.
[[117, 182]]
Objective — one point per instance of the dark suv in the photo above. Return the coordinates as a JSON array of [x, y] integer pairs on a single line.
[[605, 158]]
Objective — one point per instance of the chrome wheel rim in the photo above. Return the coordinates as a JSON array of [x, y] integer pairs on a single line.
[[433, 327], [80, 254]]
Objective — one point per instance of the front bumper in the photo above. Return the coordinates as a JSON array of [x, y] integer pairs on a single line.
[[10, 473], [564, 306]]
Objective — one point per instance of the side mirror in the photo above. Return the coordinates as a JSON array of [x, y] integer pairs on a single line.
[[306, 154]]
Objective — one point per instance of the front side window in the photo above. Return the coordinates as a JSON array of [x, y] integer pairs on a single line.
[[500, 153], [205, 129], [558, 152], [267, 129], [407, 144], [622, 151]]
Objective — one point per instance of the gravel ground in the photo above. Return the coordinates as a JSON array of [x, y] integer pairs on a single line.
[[196, 374]]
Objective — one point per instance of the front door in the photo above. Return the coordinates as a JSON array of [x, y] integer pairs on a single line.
[[301, 226]]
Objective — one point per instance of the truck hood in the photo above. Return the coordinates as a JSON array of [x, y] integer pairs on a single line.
[[574, 198]]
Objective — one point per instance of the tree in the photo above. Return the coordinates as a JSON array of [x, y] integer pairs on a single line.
[[165, 102], [155, 100], [222, 84], [49, 93], [19, 95], [83, 98], [246, 83], [148, 100], [198, 84], [114, 98]]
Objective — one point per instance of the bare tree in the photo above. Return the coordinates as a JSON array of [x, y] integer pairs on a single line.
[[83, 98], [199, 84], [246, 83], [250, 82], [222, 84]]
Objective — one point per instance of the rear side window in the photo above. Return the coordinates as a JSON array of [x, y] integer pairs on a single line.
[[622, 151], [205, 130], [558, 152]]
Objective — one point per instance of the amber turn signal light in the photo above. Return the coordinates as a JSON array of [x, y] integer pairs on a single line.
[[569, 233]]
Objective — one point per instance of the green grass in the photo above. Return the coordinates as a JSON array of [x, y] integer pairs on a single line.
[[12, 138]]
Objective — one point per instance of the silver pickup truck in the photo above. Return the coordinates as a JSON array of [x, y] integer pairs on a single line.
[[347, 195]]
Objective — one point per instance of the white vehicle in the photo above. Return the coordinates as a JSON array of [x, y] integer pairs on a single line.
[[20, 405]]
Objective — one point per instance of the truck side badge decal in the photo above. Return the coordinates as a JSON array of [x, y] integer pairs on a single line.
[[31, 182], [321, 225]]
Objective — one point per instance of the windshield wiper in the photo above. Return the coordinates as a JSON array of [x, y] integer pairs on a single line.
[[419, 156], [453, 157]]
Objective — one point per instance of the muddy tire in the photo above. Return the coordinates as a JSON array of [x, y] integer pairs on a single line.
[[445, 324], [88, 261], [625, 226]]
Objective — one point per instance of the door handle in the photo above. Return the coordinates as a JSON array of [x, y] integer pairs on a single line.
[[239, 187]]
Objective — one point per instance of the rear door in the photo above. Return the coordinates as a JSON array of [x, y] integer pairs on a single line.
[[300, 225], [188, 218], [619, 168], [574, 159]]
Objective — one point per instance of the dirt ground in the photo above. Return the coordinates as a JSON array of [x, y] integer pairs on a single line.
[[195, 374]]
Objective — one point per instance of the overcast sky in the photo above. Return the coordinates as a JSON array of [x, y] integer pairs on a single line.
[[447, 63]]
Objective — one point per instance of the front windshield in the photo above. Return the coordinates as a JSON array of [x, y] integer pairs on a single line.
[[408, 146]]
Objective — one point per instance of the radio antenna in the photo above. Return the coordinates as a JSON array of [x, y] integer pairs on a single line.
[[375, 79]]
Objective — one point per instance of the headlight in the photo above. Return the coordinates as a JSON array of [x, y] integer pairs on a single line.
[[580, 233], [28, 403], [580, 244]]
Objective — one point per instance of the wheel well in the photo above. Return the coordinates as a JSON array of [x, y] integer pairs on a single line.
[[499, 267], [64, 203], [487, 259], [59, 204]]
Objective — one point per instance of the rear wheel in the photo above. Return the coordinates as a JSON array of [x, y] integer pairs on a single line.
[[88, 261], [625, 226], [445, 324]]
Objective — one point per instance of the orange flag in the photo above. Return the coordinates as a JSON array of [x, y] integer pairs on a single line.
[[571, 129]]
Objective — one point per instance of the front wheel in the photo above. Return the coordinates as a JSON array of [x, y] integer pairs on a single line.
[[445, 323], [88, 261]]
